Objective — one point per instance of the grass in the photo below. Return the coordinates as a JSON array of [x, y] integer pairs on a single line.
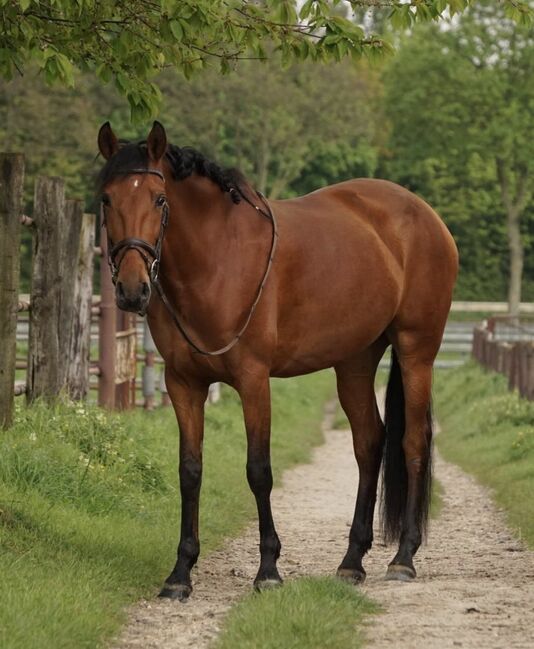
[[489, 432], [307, 613], [89, 506]]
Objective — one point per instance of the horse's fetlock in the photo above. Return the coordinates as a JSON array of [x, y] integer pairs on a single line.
[[189, 549], [271, 545]]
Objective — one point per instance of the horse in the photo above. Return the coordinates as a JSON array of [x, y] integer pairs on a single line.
[[238, 289]]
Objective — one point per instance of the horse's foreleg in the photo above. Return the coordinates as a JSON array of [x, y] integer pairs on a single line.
[[188, 401], [357, 397], [256, 399]]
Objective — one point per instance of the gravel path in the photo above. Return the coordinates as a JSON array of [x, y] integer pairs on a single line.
[[475, 586]]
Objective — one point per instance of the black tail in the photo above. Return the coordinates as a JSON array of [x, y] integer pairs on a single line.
[[394, 474]]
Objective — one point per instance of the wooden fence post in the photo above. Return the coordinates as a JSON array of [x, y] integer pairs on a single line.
[[68, 266], [529, 387], [45, 362], [80, 341], [106, 332], [11, 182], [125, 390]]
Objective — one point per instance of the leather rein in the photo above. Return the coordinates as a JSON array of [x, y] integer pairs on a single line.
[[153, 264]]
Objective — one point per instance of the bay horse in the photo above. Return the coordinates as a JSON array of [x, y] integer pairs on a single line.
[[238, 289]]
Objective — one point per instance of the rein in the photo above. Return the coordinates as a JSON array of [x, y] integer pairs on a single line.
[[142, 246]]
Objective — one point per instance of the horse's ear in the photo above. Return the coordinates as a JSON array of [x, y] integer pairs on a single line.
[[108, 143], [156, 142]]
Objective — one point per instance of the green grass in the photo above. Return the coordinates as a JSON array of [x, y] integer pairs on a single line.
[[89, 506], [489, 432], [307, 613]]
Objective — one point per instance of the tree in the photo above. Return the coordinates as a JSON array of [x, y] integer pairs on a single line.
[[128, 41], [462, 135]]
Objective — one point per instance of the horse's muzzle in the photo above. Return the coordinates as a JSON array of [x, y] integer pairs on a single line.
[[134, 299]]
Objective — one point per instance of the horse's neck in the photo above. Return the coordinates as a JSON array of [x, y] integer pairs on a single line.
[[212, 246]]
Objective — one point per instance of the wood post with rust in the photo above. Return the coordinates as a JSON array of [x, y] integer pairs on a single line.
[[11, 183]]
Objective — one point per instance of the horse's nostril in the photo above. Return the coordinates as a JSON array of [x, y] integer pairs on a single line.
[[145, 291], [120, 290]]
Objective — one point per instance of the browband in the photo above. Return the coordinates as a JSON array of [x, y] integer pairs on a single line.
[[154, 172]]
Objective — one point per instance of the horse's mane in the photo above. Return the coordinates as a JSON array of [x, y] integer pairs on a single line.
[[183, 161]]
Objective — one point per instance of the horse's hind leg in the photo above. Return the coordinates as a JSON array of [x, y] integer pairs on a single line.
[[407, 470], [355, 384]]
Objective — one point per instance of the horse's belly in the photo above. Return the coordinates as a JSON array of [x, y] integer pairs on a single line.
[[322, 334]]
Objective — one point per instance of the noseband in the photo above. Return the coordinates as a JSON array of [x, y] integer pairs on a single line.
[[142, 246]]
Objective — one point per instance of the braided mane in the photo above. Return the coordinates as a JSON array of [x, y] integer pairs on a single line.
[[183, 160]]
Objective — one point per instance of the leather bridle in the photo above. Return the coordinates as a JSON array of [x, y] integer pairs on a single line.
[[153, 265], [142, 246]]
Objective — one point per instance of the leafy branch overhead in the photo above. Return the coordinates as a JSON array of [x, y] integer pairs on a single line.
[[128, 41]]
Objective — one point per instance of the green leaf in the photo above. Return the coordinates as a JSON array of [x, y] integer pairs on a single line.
[[177, 30]]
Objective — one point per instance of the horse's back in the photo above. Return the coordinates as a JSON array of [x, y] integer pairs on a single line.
[[358, 216]]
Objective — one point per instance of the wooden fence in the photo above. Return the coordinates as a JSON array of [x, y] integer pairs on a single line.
[[505, 344], [60, 307]]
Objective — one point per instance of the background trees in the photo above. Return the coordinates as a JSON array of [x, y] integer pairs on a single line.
[[462, 137], [450, 116]]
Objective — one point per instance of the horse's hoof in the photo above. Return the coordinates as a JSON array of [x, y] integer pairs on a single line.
[[351, 575], [180, 592], [396, 572], [267, 584]]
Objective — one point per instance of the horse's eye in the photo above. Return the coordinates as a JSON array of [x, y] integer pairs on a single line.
[[160, 201], [106, 200]]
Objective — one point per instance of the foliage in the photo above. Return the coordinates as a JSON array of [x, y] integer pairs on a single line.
[[470, 110], [309, 613], [490, 433], [280, 127], [128, 41], [89, 506]]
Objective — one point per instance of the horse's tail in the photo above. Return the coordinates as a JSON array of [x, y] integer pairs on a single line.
[[394, 474]]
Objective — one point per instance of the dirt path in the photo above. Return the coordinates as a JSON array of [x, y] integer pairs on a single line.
[[475, 587]]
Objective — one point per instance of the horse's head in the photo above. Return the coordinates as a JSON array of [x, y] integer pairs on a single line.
[[135, 210]]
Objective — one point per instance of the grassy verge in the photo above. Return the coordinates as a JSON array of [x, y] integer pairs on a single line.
[[89, 506], [490, 432], [308, 613]]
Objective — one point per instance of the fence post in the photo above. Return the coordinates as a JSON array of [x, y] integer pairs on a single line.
[[106, 332], [11, 182], [125, 391], [149, 376], [80, 342], [68, 265], [45, 357], [529, 386]]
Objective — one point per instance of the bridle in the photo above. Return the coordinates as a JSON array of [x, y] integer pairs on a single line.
[[142, 246], [153, 265]]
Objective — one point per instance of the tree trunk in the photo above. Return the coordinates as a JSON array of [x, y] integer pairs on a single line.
[[263, 165], [514, 206], [515, 246]]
